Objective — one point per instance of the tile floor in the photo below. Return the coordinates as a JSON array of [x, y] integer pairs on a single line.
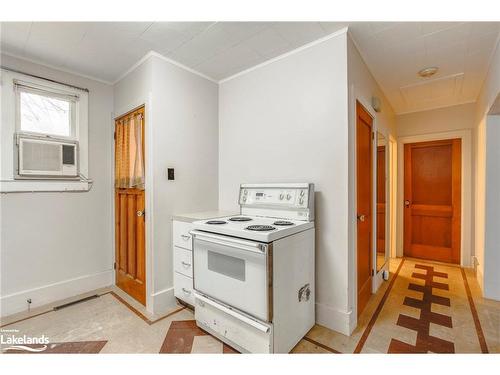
[[424, 307]]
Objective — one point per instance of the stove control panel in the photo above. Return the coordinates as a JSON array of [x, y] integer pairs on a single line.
[[284, 197]]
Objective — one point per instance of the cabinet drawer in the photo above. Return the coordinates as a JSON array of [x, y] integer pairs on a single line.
[[183, 261], [183, 288], [182, 237]]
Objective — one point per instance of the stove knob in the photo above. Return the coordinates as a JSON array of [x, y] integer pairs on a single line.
[[244, 199], [302, 192], [301, 200], [288, 196], [282, 196], [245, 192]]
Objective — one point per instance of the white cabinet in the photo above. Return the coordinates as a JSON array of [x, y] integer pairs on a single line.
[[181, 235], [183, 261]]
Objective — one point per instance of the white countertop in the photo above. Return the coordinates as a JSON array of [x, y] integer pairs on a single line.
[[190, 217]]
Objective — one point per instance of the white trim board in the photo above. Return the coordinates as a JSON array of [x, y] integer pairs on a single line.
[[335, 319], [58, 68], [164, 58], [466, 214], [40, 296]]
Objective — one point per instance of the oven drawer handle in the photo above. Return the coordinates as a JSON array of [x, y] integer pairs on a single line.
[[255, 247], [185, 264], [247, 320]]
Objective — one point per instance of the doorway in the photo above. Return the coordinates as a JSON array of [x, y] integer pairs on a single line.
[[130, 267], [364, 200], [432, 200]]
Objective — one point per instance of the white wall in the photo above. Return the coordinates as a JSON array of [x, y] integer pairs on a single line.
[[491, 283], [181, 132], [185, 131], [286, 121], [56, 245], [486, 179], [362, 87], [437, 120]]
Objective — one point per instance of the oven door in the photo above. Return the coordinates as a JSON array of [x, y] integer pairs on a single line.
[[233, 271]]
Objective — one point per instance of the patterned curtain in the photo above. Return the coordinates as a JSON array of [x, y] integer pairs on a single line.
[[129, 154]]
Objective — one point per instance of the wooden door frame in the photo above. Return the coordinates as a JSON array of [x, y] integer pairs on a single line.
[[137, 103], [466, 189], [354, 269]]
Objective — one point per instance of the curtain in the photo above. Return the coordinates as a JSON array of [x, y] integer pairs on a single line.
[[129, 153]]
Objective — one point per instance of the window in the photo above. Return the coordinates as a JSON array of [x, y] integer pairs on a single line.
[[45, 112], [35, 108]]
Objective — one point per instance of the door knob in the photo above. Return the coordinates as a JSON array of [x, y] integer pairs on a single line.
[[361, 217], [407, 203], [140, 213]]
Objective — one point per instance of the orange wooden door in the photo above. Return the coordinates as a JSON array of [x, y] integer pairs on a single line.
[[130, 266], [432, 212], [364, 198]]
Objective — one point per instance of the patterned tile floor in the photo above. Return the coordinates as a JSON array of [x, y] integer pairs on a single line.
[[424, 307]]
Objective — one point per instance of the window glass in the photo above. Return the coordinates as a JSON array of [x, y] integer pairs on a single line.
[[44, 114]]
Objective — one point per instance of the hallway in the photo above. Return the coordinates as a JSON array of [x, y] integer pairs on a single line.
[[424, 307]]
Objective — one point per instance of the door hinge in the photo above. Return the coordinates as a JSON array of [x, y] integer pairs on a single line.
[[114, 265], [114, 136], [373, 135], [373, 272]]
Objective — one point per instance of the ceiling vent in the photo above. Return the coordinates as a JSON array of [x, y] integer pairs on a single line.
[[435, 92]]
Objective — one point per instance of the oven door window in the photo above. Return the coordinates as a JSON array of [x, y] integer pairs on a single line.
[[226, 265]]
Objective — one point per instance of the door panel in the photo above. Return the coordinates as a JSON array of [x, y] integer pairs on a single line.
[[433, 200], [130, 254], [364, 199], [130, 266]]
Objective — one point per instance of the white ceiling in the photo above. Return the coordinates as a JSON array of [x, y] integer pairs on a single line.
[[394, 52]]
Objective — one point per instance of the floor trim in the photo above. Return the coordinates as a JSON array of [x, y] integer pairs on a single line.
[[323, 346], [128, 305], [475, 316], [377, 311]]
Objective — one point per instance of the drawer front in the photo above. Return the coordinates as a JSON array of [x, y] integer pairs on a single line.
[[182, 237], [183, 261], [183, 288]]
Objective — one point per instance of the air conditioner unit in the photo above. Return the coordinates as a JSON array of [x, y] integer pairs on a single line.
[[46, 157]]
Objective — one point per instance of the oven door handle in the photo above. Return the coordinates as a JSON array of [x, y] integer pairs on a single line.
[[255, 247], [227, 310]]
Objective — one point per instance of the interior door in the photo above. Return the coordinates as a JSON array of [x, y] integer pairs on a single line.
[[364, 200], [130, 267], [432, 212]]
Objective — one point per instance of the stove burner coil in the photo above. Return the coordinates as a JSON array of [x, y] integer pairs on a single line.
[[260, 228], [283, 223], [216, 222], [240, 218]]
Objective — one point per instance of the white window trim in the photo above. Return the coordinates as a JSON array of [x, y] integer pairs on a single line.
[[9, 127], [21, 86]]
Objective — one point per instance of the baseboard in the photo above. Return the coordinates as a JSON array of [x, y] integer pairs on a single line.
[[163, 301], [16, 302], [334, 319]]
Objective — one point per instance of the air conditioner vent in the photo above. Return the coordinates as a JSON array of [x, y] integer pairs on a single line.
[[39, 156], [46, 157]]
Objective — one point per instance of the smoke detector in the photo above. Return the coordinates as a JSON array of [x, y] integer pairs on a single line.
[[428, 72]]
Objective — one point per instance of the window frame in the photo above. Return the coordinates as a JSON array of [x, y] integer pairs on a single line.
[[73, 99]]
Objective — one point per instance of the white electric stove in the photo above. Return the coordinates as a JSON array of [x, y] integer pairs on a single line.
[[254, 272]]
